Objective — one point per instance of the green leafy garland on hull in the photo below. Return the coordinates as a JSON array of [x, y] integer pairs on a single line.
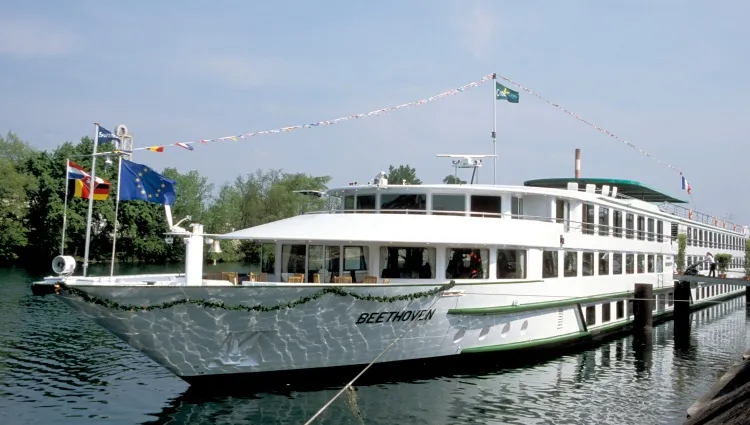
[[338, 291]]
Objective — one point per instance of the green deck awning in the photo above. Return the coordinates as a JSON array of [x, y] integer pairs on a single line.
[[629, 188]]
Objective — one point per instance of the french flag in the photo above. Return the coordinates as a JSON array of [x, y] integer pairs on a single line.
[[76, 172], [686, 185]]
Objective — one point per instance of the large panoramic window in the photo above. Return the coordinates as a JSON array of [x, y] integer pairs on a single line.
[[293, 259], [407, 263], [467, 263], [415, 203], [481, 204], [325, 261], [366, 203], [448, 204], [511, 264]]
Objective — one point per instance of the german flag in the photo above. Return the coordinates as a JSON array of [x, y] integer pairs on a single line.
[[80, 188]]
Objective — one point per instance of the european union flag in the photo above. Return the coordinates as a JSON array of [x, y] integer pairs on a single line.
[[138, 181]]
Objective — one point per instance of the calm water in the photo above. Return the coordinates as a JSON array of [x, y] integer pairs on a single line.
[[56, 368]]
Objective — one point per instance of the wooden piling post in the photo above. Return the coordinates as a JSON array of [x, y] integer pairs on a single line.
[[681, 299], [643, 307], [682, 315]]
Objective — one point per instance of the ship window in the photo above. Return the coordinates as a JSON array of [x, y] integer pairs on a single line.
[[549, 264], [659, 264], [570, 268], [366, 203], [670, 299], [659, 231], [349, 202], [603, 263], [407, 263], [591, 315], [629, 226], [617, 263], [326, 261], [641, 264], [355, 258], [511, 264], [641, 227], [690, 236], [604, 221], [620, 307], [617, 223], [467, 263], [293, 259], [562, 212], [448, 204], [516, 207], [650, 263], [588, 219], [415, 203], [486, 206], [587, 264], [650, 229], [629, 263], [606, 312]]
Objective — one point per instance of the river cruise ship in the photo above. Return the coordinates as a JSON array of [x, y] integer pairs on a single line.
[[403, 272]]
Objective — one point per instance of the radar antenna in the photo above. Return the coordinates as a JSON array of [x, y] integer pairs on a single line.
[[467, 161]]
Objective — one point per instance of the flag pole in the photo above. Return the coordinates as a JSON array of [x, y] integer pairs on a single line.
[[65, 206], [494, 128], [117, 206], [91, 200]]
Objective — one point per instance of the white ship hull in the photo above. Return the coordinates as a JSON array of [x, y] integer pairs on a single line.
[[324, 329]]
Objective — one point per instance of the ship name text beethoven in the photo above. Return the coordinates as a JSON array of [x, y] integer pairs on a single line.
[[395, 316]]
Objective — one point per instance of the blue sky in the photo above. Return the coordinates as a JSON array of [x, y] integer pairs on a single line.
[[669, 76]]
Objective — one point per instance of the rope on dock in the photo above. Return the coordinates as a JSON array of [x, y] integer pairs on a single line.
[[349, 385]]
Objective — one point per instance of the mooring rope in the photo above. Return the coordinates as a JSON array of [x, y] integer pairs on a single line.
[[348, 385]]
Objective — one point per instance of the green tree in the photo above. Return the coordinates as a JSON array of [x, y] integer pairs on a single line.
[[260, 198], [452, 179], [14, 197], [193, 194], [403, 173]]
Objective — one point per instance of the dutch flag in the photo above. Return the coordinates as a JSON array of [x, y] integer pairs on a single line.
[[76, 172]]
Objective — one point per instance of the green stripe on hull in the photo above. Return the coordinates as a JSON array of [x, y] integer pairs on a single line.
[[527, 344], [505, 309]]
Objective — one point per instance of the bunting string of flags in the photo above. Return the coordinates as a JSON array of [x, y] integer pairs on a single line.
[[377, 112], [592, 125]]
